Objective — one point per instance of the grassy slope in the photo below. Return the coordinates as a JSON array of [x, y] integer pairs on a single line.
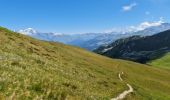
[[33, 69], [162, 62]]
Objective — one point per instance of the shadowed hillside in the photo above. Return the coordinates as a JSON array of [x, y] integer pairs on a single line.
[[137, 48]]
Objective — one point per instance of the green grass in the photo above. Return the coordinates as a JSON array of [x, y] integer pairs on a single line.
[[163, 62], [33, 69]]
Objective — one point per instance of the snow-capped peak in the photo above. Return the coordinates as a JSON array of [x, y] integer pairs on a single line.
[[28, 31]]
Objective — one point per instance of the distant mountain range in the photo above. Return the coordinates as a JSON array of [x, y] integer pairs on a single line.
[[92, 41], [138, 48]]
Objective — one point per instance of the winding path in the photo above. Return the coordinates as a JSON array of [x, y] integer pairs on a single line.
[[124, 93]]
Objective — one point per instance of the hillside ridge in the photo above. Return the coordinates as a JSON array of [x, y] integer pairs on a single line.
[[34, 69], [138, 48]]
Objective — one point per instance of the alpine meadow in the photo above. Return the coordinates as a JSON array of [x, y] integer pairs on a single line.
[[84, 50]]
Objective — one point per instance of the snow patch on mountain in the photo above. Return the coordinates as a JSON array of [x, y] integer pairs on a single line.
[[107, 49], [28, 31]]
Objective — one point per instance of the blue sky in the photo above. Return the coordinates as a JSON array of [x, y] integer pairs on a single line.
[[80, 16]]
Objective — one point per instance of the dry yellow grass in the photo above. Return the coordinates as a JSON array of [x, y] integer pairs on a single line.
[[33, 69]]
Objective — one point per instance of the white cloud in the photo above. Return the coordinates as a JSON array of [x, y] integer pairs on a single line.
[[129, 7], [146, 24], [138, 27]]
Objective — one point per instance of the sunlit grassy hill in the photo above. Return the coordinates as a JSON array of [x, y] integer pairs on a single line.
[[34, 69], [163, 61]]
